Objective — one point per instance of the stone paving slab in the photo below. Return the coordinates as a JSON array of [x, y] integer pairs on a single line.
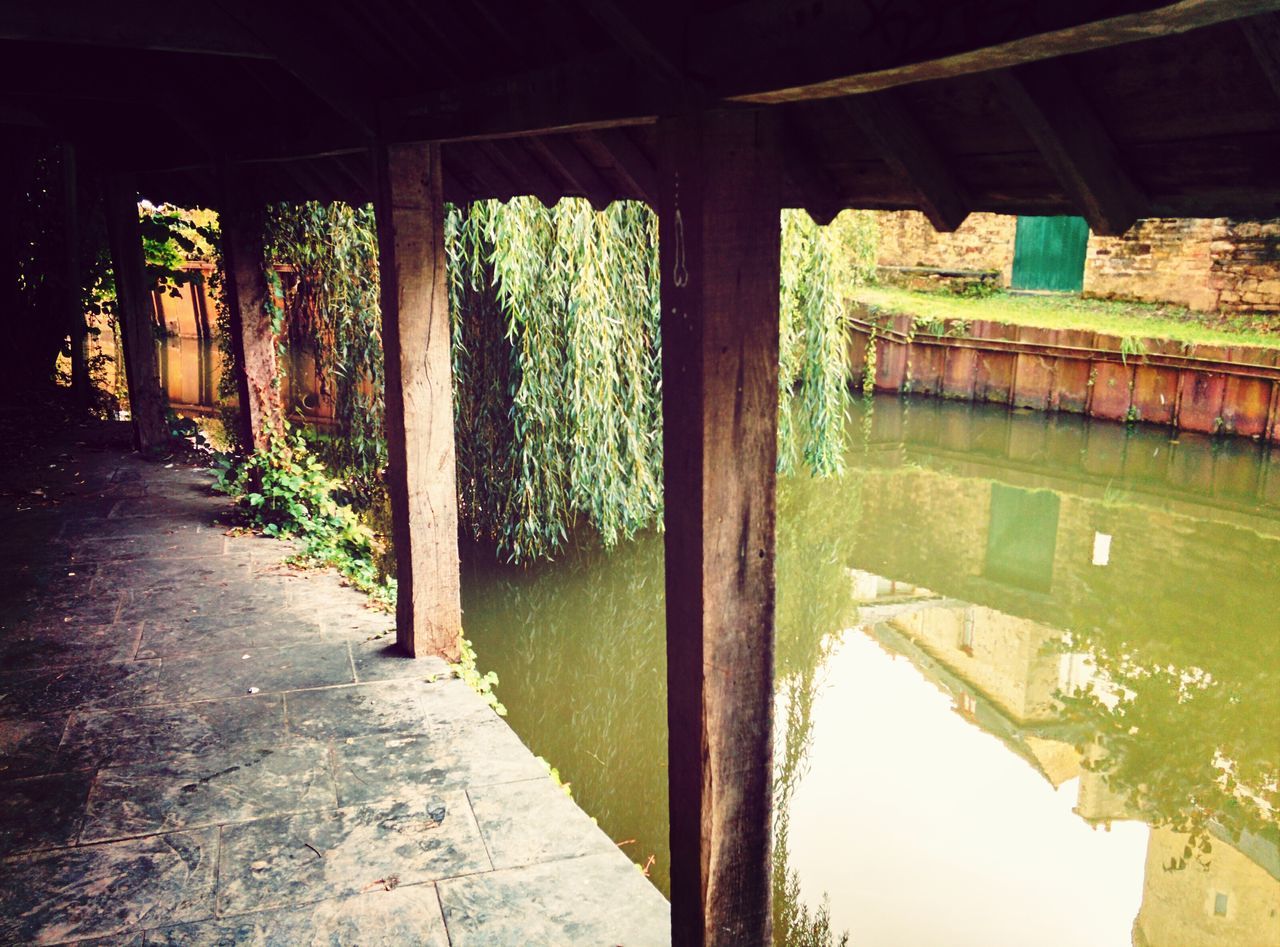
[[601, 899], [94, 890], [291, 860], [396, 918], [201, 744], [368, 769], [239, 784]]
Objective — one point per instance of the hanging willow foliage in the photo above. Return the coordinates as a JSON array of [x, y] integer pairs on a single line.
[[332, 312], [557, 357], [557, 370]]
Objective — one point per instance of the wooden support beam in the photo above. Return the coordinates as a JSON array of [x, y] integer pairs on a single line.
[[416, 340], [1073, 142], [907, 149], [248, 298], [147, 402], [1263, 36], [720, 181], [818, 192]]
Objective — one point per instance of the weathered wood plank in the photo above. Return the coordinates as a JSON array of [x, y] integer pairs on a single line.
[[1073, 142], [720, 180], [147, 402], [253, 340], [416, 338]]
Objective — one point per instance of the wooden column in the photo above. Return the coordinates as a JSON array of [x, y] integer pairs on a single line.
[[253, 340], [77, 331], [419, 398], [147, 402], [720, 237]]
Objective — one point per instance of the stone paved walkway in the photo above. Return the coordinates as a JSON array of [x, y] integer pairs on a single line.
[[200, 746]]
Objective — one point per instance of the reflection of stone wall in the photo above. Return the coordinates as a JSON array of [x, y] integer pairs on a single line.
[[1002, 656], [1178, 907]]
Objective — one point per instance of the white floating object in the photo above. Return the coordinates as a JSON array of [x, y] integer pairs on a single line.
[[1101, 549], [244, 657]]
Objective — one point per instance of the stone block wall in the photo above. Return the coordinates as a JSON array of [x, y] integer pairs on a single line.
[[1210, 264], [1245, 272], [1159, 260], [983, 242]]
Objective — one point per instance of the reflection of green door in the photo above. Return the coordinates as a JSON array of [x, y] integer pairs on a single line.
[[1022, 537], [1048, 253]]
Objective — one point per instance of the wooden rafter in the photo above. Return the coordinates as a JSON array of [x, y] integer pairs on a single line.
[[301, 51], [634, 167], [1072, 140], [528, 175], [563, 157], [818, 191], [768, 52], [140, 24], [908, 150], [1263, 36]]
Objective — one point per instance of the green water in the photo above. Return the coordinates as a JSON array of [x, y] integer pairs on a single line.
[[1028, 683]]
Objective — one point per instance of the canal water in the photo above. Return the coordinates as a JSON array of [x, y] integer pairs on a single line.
[[1028, 684]]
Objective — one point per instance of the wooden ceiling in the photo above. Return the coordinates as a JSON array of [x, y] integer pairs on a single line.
[[1114, 110]]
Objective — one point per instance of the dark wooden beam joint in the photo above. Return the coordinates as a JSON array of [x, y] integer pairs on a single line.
[[419, 398], [1074, 143], [908, 150], [147, 402], [719, 185]]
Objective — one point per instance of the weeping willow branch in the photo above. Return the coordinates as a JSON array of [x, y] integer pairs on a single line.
[[557, 356]]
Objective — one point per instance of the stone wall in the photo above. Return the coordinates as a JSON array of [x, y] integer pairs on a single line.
[[1245, 272], [1210, 264], [983, 242], [1160, 260]]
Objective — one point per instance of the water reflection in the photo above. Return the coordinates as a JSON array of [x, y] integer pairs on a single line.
[[1028, 684]]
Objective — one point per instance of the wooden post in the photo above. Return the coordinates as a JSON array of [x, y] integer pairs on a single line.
[[147, 402], [720, 238], [253, 340], [416, 339], [77, 331]]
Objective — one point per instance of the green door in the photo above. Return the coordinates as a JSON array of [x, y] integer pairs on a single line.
[[1048, 253]]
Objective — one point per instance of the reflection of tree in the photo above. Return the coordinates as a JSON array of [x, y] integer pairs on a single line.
[[579, 649], [814, 604], [1187, 749]]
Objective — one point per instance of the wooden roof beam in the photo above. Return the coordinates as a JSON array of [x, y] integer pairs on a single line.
[[1263, 36], [301, 51], [565, 160], [1073, 142], [903, 145], [768, 52], [140, 24]]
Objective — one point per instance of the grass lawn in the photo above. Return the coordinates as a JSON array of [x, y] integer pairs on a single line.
[[1125, 319]]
